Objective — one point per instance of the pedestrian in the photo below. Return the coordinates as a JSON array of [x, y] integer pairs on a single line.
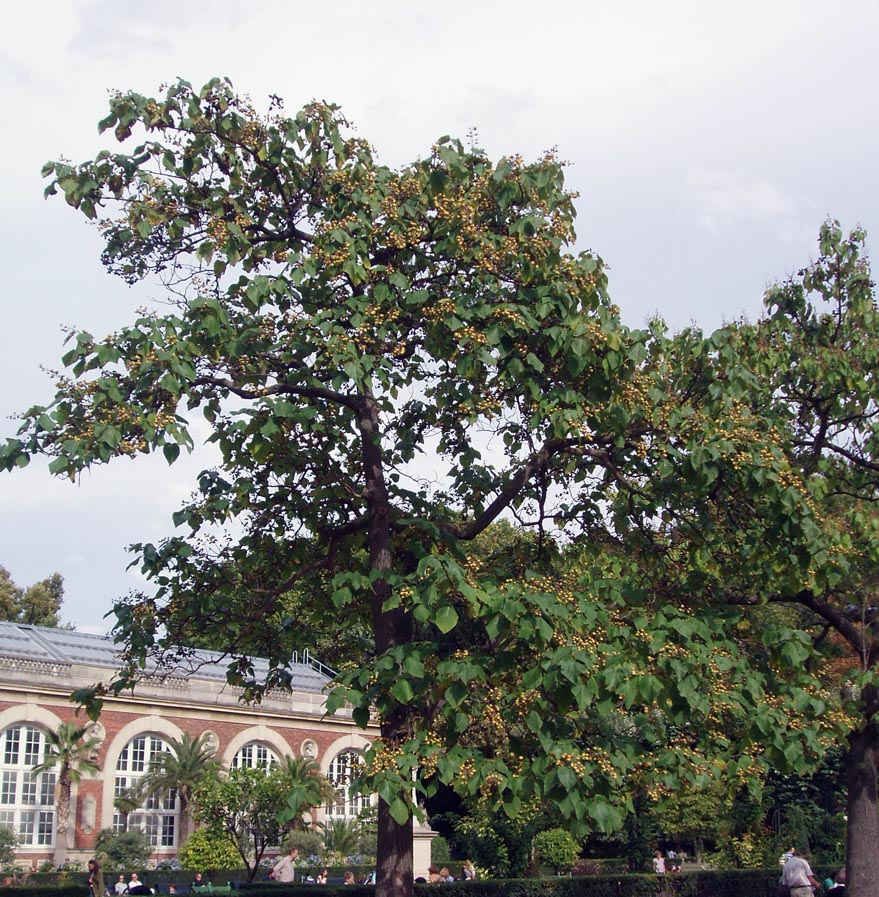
[[797, 877], [285, 869], [658, 863], [95, 879]]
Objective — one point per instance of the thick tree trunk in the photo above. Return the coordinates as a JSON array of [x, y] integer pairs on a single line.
[[394, 876], [862, 840]]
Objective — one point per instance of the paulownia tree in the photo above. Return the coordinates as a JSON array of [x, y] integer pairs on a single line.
[[390, 361], [755, 503]]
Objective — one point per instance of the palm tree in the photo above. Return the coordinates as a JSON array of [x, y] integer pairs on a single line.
[[306, 788], [341, 837], [70, 750], [179, 768]]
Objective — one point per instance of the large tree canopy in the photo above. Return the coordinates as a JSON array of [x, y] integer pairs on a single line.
[[390, 362]]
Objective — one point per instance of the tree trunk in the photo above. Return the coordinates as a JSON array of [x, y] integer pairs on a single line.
[[394, 866], [862, 839], [390, 628], [62, 817]]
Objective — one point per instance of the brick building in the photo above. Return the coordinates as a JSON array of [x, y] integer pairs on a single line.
[[39, 668]]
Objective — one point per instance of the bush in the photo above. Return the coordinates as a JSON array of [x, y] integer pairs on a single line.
[[123, 851], [205, 849], [555, 848], [8, 843], [440, 854]]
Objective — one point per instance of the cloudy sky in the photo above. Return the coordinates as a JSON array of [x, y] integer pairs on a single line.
[[708, 141]]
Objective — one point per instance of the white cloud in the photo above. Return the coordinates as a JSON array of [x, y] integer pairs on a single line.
[[726, 201]]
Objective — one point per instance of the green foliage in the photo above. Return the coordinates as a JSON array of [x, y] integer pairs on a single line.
[[440, 853], [306, 788], [555, 848], [206, 849], [8, 844], [180, 767], [308, 842], [123, 851], [38, 604], [243, 807], [335, 321]]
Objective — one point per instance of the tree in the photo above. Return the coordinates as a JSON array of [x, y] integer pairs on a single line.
[[179, 768], [244, 808], [8, 843], [123, 851], [37, 605], [556, 848], [306, 789], [765, 498], [390, 362], [70, 752], [334, 320]]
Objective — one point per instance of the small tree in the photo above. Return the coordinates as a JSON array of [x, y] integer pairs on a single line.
[[123, 851], [70, 752], [555, 848], [244, 808], [8, 844]]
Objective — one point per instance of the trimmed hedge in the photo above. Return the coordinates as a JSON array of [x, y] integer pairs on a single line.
[[733, 883]]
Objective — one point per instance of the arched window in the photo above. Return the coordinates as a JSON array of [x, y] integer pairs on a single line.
[[343, 768], [255, 755], [157, 816], [27, 802]]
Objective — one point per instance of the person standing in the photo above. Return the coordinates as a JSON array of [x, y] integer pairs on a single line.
[[96, 879], [797, 876], [658, 863], [285, 869]]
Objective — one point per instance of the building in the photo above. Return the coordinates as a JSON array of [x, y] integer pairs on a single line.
[[40, 667]]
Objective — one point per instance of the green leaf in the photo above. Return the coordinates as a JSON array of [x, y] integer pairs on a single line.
[[446, 619]]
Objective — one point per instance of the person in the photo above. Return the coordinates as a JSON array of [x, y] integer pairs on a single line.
[[797, 876], [433, 875], [120, 887], [446, 876], [672, 865], [658, 863], [134, 882], [469, 870], [322, 877], [96, 879], [285, 869], [349, 877], [838, 889], [198, 881]]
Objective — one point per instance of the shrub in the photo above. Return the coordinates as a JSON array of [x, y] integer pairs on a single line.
[[555, 848], [205, 849], [123, 851]]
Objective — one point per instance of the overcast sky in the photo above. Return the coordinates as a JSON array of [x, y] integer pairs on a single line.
[[708, 141]]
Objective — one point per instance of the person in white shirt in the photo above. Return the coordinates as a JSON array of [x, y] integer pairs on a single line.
[[797, 875]]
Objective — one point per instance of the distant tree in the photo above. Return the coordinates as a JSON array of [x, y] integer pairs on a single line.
[[37, 605], [8, 843], [70, 752], [123, 851], [244, 807], [340, 837], [306, 788], [179, 768]]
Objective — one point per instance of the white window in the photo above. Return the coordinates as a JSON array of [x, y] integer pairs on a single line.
[[343, 769], [27, 802], [255, 756], [157, 816]]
